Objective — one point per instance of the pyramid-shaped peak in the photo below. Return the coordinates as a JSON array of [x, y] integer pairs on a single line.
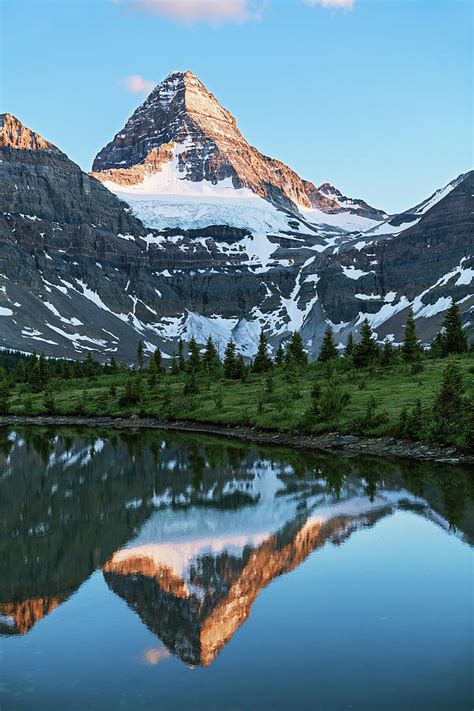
[[178, 87], [14, 134], [179, 110]]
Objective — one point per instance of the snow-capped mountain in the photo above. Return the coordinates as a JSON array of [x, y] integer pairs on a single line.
[[181, 159], [79, 272]]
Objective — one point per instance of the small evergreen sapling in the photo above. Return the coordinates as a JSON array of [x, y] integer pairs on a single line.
[[349, 349], [328, 348], [411, 349], [194, 360], [366, 352], [455, 340], [262, 361], [295, 352]]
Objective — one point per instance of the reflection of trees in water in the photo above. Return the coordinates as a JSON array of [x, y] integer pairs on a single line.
[[66, 504]]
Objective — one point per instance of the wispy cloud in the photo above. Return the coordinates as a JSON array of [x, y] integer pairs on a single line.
[[341, 4], [136, 84], [214, 12]]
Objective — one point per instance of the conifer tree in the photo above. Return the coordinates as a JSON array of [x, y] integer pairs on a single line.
[[229, 360], [387, 353], [437, 346], [140, 355], [366, 351], [152, 374], [328, 347], [49, 401], [181, 359], [349, 349], [194, 360], [316, 393], [35, 377], [279, 356], [239, 368], [89, 366], [113, 366], [455, 340], [166, 401], [174, 364], [4, 392], [262, 361], [295, 352], [157, 360], [411, 350], [210, 360], [44, 369], [131, 394], [449, 406]]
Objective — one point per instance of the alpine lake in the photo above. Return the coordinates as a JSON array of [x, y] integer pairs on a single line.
[[144, 569]]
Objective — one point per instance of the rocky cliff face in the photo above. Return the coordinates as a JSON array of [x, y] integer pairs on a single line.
[[184, 124], [80, 273]]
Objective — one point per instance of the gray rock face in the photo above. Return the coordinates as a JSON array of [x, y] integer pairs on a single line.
[[422, 266]]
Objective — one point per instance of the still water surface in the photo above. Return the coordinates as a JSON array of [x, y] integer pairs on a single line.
[[148, 570]]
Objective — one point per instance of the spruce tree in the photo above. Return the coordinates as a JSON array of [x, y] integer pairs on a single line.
[[132, 393], [113, 366], [174, 364], [295, 352], [455, 340], [437, 346], [35, 378], [44, 370], [49, 401], [328, 347], [262, 361], [279, 356], [181, 359], [210, 360], [4, 392], [229, 360], [387, 353], [449, 408], [194, 360], [411, 350], [140, 355], [152, 374], [157, 360], [366, 351], [239, 368], [349, 349], [89, 366]]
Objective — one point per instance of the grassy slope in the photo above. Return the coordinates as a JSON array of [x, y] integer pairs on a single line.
[[282, 409]]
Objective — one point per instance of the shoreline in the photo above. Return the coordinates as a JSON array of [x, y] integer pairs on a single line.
[[330, 442]]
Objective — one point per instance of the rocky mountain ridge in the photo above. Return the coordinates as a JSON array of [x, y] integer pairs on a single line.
[[80, 273]]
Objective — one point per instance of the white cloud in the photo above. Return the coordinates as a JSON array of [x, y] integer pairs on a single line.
[[192, 11], [344, 4], [136, 84]]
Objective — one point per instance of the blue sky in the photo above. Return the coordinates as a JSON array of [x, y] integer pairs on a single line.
[[375, 96]]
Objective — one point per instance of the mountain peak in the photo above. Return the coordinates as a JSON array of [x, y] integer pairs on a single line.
[[182, 135], [14, 134]]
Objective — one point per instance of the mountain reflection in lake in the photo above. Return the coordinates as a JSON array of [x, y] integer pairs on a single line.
[[127, 558]]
